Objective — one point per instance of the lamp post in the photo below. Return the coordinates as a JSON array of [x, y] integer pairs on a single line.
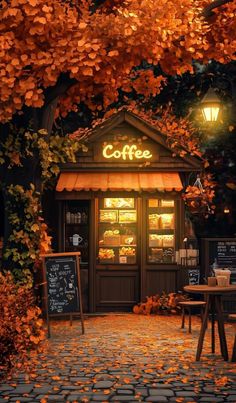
[[210, 106]]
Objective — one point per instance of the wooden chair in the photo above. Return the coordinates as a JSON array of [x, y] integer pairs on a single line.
[[188, 305], [232, 319]]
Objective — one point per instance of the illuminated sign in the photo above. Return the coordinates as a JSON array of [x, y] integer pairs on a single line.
[[126, 153]]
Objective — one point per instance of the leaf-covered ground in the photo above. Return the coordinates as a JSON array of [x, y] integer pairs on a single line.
[[124, 358]]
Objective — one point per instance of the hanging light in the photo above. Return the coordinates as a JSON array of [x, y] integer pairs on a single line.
[[210, 106], [226, 210]]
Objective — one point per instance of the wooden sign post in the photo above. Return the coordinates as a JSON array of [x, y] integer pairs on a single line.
[[62, 286]]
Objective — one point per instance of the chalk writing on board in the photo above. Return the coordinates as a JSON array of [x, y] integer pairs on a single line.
[[62, 285], [223, 253], [193, 276]]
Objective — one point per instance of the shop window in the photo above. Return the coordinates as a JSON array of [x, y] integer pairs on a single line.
[[117, 231], [77, 228], [161, 231]]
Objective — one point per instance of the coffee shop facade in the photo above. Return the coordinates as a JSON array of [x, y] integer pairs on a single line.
[[120, 205]]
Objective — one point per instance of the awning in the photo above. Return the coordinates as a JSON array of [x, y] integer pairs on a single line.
[[117, 181]]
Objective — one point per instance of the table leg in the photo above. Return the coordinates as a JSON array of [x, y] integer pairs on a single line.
[[203, 329], [221, 328], [233, 359], [212, 302]]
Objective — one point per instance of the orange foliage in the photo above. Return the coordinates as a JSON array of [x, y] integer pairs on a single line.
[[20, 323], [43, 40], [160, 303]]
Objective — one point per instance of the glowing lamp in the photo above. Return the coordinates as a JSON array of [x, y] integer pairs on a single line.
[[210, 106], [226, 210]]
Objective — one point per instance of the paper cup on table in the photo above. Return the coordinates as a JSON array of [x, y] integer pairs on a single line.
[[217, 272], [226, 273], [221, 281], [211, 281]]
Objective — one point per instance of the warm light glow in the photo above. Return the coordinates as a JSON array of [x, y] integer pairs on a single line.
[[210, 106], [210, 113], [127, 152], [226, 210], [121, 202]]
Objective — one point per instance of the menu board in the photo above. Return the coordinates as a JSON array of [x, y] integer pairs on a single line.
[[62, 284], [62, 288], [193, 276], [219, 252]]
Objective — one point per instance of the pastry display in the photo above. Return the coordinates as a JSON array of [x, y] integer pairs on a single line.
[[168, 240], [109, 216], [120, 202], [127, 216], [106, 253], [112, 237], [153, 203], [155, 240], [167, 203], [154, 221], [128, 240], [127, 251], [167, 221]]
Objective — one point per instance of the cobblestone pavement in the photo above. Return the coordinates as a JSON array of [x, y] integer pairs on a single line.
[[124, 358]]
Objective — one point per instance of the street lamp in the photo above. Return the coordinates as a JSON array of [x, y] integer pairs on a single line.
[[210, 106]]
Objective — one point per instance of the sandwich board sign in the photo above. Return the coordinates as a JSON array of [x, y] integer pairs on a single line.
[[62, 286]]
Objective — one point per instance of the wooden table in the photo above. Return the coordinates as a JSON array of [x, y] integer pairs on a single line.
[[213, 298]]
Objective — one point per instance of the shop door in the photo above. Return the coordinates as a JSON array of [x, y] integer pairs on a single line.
[[117, 277], [76, 239]]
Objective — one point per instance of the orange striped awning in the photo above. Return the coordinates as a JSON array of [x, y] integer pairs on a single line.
[[117, 181]]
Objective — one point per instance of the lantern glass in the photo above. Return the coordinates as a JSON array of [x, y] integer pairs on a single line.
[[210, 106], [210, 113]]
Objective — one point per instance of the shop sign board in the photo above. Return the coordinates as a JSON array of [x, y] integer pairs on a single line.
[[62, 289], [127, 152]]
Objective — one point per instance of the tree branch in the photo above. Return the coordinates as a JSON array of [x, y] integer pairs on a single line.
[[63, 84], [207, 12]]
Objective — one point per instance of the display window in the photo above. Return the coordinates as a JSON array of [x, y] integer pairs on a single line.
[[117, 231], [77, 228], [161, 231]]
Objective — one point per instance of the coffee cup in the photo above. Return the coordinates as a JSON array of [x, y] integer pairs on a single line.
[[76, 239], [221, 281], [211, 281]]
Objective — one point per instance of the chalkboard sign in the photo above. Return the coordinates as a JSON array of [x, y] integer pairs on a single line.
[[62, 285], [218, 252], [193, 276]]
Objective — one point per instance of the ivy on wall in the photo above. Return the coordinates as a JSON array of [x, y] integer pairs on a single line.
[[27, 236]]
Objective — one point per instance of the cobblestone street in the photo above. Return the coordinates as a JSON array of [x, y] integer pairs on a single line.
[[124, 358]]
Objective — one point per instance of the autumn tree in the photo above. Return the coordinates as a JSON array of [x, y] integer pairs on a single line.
[[57, 54]]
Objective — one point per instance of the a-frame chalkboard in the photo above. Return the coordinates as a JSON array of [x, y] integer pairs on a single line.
[[62, 286]]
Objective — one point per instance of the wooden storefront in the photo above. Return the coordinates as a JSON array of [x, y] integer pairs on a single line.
[[120, 205]]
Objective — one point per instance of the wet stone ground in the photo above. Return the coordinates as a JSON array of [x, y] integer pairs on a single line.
[[124, 358]]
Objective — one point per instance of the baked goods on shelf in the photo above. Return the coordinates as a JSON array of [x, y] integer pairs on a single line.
[[168, 241], [106, 254], [127, 216], [154, 221], [127, 251], [155, 240], [109, 216], [167, 221], [167, 203], [118, 202]]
